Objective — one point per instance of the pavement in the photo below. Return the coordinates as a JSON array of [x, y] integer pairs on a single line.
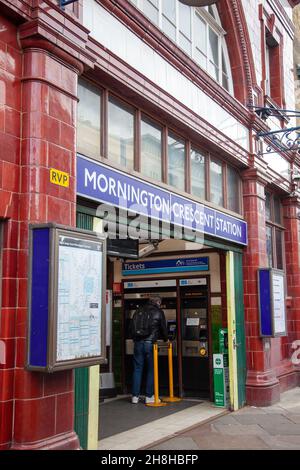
[[275, 427]]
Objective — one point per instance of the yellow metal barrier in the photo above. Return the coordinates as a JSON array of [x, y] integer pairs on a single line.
[[171, 398], [157, 401]]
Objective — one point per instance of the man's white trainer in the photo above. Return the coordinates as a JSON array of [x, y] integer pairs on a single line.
[[151, 400], [134, 400]]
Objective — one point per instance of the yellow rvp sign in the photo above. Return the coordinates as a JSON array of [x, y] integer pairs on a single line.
[[59, 177]]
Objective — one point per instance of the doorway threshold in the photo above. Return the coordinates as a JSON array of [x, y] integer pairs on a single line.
[[158, 426]]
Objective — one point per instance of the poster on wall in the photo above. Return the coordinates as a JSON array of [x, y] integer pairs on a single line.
[[66, 323], [272, 307], [79, 298]]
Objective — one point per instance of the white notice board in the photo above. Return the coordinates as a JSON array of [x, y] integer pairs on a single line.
[[279, 311], [79, 308]]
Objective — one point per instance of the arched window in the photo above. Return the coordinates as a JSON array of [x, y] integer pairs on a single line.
[[198, 31]]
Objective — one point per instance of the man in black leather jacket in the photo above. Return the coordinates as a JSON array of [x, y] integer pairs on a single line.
[[143, 350]]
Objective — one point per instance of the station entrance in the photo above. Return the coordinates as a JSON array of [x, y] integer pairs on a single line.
[[197, 304]]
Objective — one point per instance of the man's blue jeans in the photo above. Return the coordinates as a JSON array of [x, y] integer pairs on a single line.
[[143, 353]]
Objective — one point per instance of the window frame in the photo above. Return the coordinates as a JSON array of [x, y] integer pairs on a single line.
[[189, 144], [124, 105], [275, 227], [152, 122], [101, 114], [210, 22]]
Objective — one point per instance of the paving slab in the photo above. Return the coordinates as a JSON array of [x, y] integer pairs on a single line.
[[282, 429], [225, 442], [229, 419], [239, 429], [267, 419], [182, 443], [295, 418], [282, 442]]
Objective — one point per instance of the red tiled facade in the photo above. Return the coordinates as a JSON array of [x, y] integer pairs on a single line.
[[42, 53]]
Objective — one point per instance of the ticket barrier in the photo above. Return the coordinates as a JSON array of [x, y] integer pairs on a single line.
[[171, 398]]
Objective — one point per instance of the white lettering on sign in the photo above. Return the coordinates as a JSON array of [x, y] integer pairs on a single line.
[[228, 227]]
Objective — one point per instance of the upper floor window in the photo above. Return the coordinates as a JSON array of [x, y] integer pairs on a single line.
[[109, 128], [274, 231], [151, 149], [197, 31], [120, 133], [176, 162], [88, 120]]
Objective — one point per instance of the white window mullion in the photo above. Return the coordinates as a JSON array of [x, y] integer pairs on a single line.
[[177, 21], [160, 13], [220, 60], [192, 32], [207, 47]]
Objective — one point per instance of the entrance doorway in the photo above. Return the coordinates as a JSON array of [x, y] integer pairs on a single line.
[[185, 302], [195, 309]]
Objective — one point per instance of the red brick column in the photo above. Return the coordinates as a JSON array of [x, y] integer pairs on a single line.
[[291, 208], [10, 114], [44, 403], [262, 385]]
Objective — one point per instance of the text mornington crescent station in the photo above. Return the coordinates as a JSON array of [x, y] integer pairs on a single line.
[[107, 185]]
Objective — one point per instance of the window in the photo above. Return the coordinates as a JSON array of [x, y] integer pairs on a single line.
[[169, 18], [151, 150], [272, 58], [130, 139], [216, 182], [198, 31], [176, 162], [233, 190], [88, 120], [274, 231], [185, 28], [198, 176], [120, 133]]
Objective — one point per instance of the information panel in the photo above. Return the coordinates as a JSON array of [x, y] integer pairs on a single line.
[[66, 324], [279, 304], [272, 302], [79, 298]]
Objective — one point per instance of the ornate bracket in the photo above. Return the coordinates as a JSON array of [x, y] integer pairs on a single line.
[[282, 140]]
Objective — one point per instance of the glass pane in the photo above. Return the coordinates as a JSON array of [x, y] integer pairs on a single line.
[[213, 70], [211, 11], [225, 82], [269, 246], [176, 162], [88, 120], [120, 133], [197, 174], [224, 66], [150, 8], [151, 150], [199, 35], [268, 206], [213, 47], [200, 58], [185, 20], [169, 9], [277, 210], [216, 182], [185, 44], [279, 249], [233, 190], [168, 28]]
